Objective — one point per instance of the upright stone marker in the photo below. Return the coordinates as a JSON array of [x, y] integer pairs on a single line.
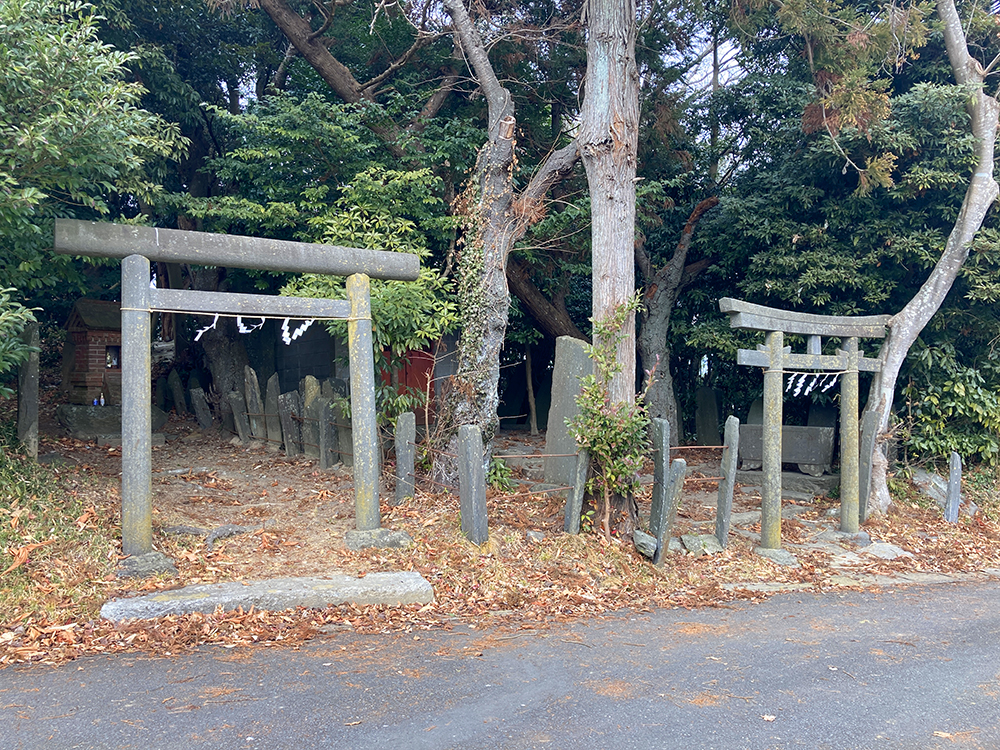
[[724, 507], [707, 416], [239, 406], [201, 411], [660, 432], [310, 416], [661, 518], [312, 426], [342, 423], [176, 387], [574, 500], [406, 450], [27, 394], [255, 407], [327, 433], [272, 423], [289, 411], [472, 484], [954, 488], [571, 364]]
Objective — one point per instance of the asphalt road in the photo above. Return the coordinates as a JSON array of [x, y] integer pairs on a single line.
[[917, 667]]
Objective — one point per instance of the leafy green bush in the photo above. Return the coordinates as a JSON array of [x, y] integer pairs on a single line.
[[951, 406], [13, 351]]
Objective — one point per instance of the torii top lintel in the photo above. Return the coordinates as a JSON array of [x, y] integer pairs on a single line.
[[759, 318], [107, 240]]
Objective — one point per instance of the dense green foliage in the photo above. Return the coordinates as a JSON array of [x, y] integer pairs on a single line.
[[13, 351], [71, 133]]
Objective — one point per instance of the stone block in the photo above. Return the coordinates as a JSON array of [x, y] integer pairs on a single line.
[[388, 588], [820, 416], [87, 422], [664, 508], [799, 445]]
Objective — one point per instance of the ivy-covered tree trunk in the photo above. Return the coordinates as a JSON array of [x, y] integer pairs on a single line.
[[493, 223], [906, 325], [608, 139]]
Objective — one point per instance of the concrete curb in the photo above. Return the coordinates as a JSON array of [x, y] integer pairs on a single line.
[[394, 589]]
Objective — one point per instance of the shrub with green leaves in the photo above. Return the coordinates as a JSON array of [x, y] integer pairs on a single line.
[[615, 435], [951, 406], [398, 211], [13, 351]]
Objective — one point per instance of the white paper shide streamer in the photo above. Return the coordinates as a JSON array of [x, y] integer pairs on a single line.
[[287, 335]]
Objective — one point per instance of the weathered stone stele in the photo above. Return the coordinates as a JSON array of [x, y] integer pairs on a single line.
[[707, 416], [255, 408], [239, 406], [571, 365], [272, 422], [289, 409], [177, 392], [310, 414], [201, 410]]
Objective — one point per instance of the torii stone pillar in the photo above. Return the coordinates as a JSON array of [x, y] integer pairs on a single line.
[[137, 246], [774, 356]]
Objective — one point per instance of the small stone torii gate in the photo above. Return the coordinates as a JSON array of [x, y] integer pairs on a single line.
[[774, 357], [137, 246]]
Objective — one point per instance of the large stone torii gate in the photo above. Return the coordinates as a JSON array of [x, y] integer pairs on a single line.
[[774, 357], [137, 246]]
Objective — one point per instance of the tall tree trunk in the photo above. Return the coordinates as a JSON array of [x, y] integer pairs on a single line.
[[662, 288], [608, 143], [609, 136], [906, 325]]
